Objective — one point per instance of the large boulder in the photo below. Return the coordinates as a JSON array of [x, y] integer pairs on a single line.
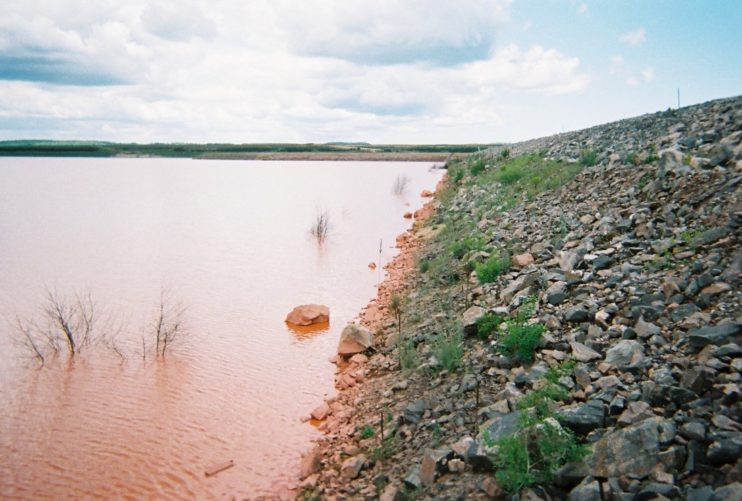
[[354, 339], [309, 314], [635, 450], [470, 318]]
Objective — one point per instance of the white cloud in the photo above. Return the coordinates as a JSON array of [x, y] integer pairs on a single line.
[[582, 9], [648, 74], [545, 71], [634, 38], [620, 68], [182, 22], [228, 70], [392, 31], [617, 65]]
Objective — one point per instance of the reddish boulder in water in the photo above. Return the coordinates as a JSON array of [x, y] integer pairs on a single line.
[[309, 314]]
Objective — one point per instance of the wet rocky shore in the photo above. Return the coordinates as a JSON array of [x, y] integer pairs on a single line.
[[625, 276]]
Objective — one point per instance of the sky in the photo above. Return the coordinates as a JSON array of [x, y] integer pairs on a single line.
[[382, 71]]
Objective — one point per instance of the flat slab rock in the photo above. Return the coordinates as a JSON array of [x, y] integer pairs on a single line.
[[309, 314]]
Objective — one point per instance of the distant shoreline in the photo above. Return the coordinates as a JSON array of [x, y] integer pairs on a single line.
[[224, 151], [360, 156]]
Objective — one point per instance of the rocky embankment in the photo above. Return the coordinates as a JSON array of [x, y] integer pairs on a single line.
[[626, 277]]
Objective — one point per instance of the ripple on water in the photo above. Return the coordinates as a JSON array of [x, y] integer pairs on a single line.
[[228, 240]]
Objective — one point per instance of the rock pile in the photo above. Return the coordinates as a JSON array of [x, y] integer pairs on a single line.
[[634, 268]]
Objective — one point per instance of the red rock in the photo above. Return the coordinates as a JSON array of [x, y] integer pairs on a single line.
[[523, 260], [372, 265], [354, 339], [309, 314], [407, 215], [310, 463], [321, 412], [426, 194]]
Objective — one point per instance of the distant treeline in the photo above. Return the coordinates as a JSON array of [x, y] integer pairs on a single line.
[[103, 149]]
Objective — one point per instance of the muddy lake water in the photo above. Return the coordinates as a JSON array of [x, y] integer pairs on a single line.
[[228, 241]]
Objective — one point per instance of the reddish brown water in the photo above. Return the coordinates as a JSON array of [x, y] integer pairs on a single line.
[[230, 240]]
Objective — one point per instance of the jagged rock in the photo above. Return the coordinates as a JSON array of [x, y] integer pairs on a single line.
[[354, 339], [602, 262], [412, 480], [588, 490], [635, 412], [414, 411], [583, 418], [352, 467], [625, 353], [568, 260], [576, 314], [716, 335], [693, 430], [311, 463], [523, 260], [634, 450], [727, 448], [517, 285], [655, 489], [499, 427], [712, 235], [556, 294], [646, 329], [321, 412], [490, 487], [470, 318], [584, 353], [731, 492], [434, 463], [664, 394], [696, 379]]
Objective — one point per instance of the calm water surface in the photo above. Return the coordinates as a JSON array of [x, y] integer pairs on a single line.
[[230, 241]]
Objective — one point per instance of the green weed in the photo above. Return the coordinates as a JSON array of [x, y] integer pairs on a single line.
[[588, 157], [566, 368], [477, 166], [424, 265], [487, 324], [520, 341], [488, 271], [408, 358], [448, 349]]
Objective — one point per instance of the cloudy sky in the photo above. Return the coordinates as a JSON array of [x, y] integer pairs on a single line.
[[383, 71]]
